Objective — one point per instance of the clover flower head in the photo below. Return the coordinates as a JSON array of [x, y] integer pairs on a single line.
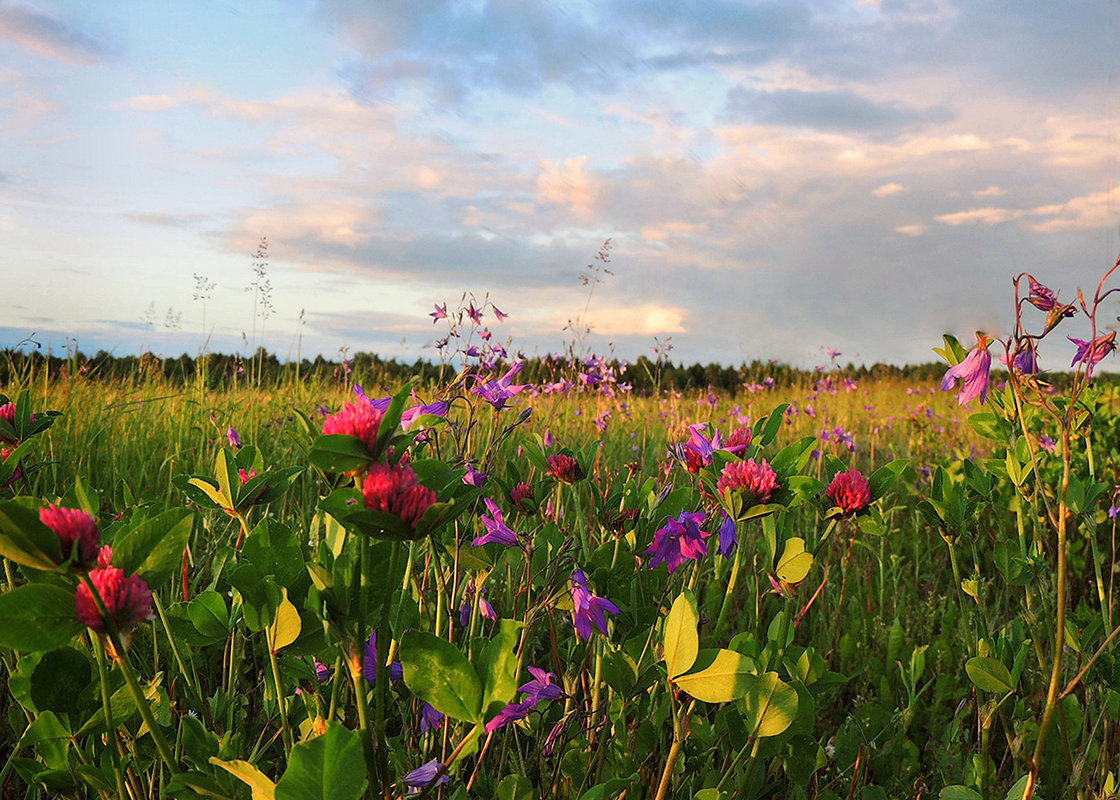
[[755, 479], [73, 525], [850, 491], [565, 468], [393, 488], [128, 600], [523, 498], [356, 419]]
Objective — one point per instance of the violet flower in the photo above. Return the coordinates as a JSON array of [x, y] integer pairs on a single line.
[[1091, 353], [973, 373], [423, 776], [680, 539], [498, 392], [588, 610], [496, 529]]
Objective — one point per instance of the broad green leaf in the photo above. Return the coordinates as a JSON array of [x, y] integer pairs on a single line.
[[498, 665], [959, 793], [58, 678], [263, 788], [770, 706], [154, 548], [727, 676], [682, 642], [989, 675], [286, 626], [1018, 790], [27, 541], [209, 614], [339, 452], [330, 767], [438, 673], [211, 491], [37, 616], [795, 563]]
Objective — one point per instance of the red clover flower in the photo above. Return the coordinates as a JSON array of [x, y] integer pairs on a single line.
[[72, 525], [356, 419], [128, 601], [850, 491], [394, 490], [756, 480]]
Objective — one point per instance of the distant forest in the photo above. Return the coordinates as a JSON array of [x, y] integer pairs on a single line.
[[644, 375]]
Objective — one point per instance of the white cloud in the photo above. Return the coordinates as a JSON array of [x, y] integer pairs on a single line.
[[646, 320], [991, 191], [567, 184], [889, 190]]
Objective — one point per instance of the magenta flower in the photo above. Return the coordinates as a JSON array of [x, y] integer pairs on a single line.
[[510, 713], [498, 392], [697, 451], [681, 538], [1040, 297], [395, 490], [322, 672], [73, 527], [565, 469], [475, 314], [501, 315], [588, 610], [973, 373], [128, 600], [233, 437], [1092, 353], [496, 529], [756, 480], [439, 313], [473, 477], [356, 419], [850, 491], [523, 498], [542, 687]]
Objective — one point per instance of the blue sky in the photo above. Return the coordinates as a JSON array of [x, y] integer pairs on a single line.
[[776, 178]]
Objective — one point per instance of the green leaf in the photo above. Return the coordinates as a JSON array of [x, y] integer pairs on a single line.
[[990, 426], [882, 478], [989, 675], [1017, 791], [330, 767], [209, 614], [959, 793], [286, 626], [37, 616], [498, 666], [59, 678], [154, 548], [770, 706], [339, 452], [682, 642], [212, 492], [263, 788], [795, 563], [27, 541], [726, 676], [439, 674]]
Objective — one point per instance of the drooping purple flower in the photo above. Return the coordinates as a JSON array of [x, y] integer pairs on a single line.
[[369, 666], [474, 477], [430, 718], [588, 610], [423, 776], [501, 315], [1040, 297], [542, 687], [322, 672], [697, 451], [1092, 353], [681, 538], [485, 608], [728, 536], [1025, 360], [973, 373], [233, 437], [475, 314], [496, 529], [498, 392], [1113, 511]]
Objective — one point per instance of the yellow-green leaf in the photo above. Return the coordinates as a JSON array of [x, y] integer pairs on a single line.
[[263, 788], [989, 674], [971, 587], [770, 706], [681, 640], [727, 676], [286, 627], [214, 494], [795, 563]]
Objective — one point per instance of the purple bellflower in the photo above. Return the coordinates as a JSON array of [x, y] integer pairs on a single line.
[[496, 529], [498, 392], [1091, 353], [588, 610], [973, 373], [439, 313], [680, 539], [423, 776]]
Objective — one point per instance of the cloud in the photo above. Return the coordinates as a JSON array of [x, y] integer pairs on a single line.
[[840, 110], [980, 216], [48, 35], [991, 191], [644, 320], [889, 190], [1091, 212], [567, 184]]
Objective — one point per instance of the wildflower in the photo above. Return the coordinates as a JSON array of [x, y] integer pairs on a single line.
[[542, 687], [850, 491], [510, 713], [756, 480], [8, 415], [1113, 512], [430, 718], [369, 666], [501, 315], [728, 536], [245, 476], [1040, 297], [474, 477], [1091, 353], [1025, 360], [834, 353], [1046, 443], [697, 451], [498, 392], [18, 472], [423, 776], [356, 419], [524, 499], [233, 437], [439, 313], [739, 441], [322, 672], [496, 529], [681, 538], [128, 601], [393, 489], [973, 372], [77, 533], [565, 469], [588, 610], [475, 314]]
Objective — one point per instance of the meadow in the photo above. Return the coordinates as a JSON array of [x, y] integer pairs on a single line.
[[518, 581]]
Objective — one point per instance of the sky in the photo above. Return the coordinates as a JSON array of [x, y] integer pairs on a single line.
[[776, 178]]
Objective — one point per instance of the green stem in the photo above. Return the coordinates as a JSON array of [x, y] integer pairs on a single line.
[[103, 676], [674, 752], [281, 703], [187, 676], [731, 581], [382, 685]]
